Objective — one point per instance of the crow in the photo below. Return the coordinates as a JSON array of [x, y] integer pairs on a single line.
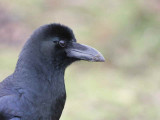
[[36, 89]]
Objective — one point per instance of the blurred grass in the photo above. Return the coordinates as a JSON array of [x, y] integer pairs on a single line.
[[8, 59], [95, 92], [127, 85]]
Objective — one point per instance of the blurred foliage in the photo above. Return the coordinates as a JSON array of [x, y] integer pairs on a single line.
[[127, 85]]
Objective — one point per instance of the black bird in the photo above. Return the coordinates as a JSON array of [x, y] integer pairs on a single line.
[[36, 89]]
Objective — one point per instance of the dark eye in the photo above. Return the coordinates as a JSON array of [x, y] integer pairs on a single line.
[[62, 43]]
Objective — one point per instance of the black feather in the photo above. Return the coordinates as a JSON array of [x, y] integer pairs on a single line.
[[55, 30], [36, 89]]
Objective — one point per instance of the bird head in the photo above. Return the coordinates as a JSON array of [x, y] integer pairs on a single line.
[[58, 43]]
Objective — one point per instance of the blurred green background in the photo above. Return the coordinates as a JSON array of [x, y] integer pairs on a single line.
[[127, 32]]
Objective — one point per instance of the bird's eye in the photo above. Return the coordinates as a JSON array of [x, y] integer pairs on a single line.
[[62, 43]]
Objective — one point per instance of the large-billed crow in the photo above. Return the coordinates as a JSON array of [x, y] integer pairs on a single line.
[[36, 89]]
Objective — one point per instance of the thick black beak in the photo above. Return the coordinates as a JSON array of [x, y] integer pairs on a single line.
[[84, 52]]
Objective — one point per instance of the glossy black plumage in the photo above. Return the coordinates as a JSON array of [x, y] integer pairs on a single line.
[[36, 89]]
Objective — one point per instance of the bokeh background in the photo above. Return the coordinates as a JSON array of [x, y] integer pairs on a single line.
[[127, 32]]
